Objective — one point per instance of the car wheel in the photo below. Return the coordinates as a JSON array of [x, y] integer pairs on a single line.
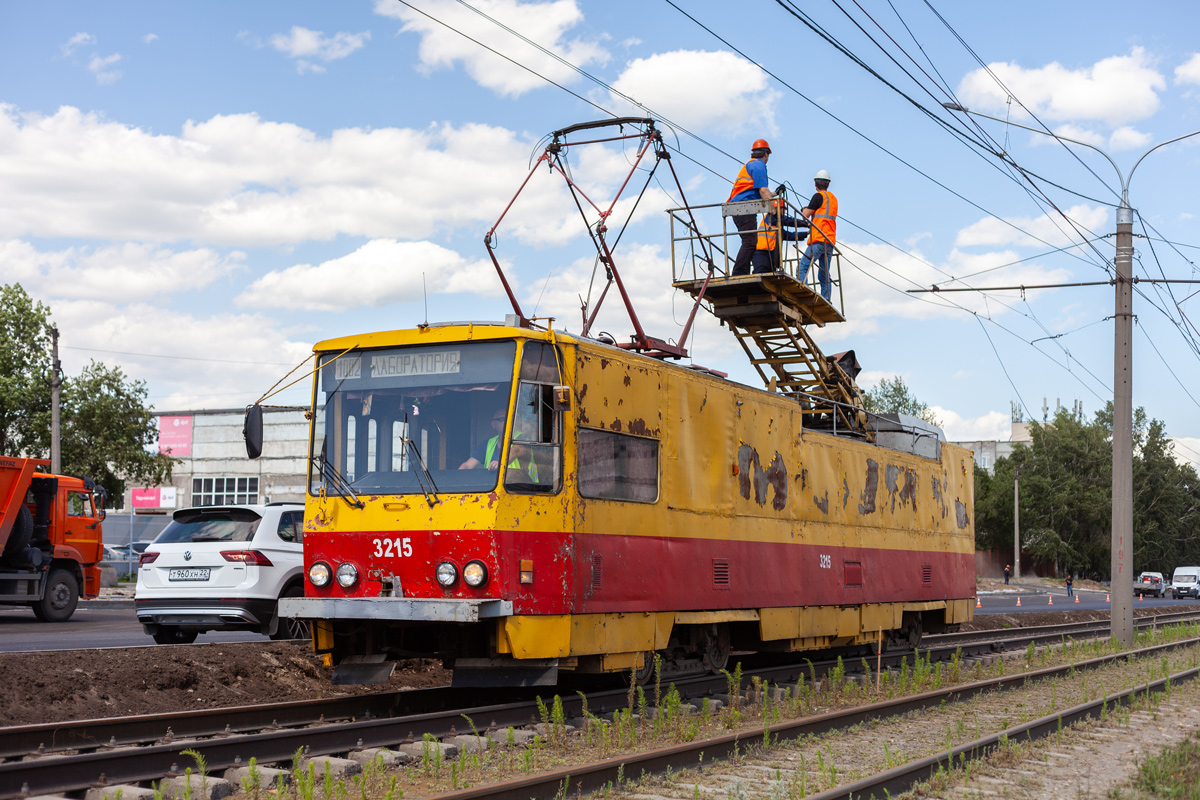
[[60, 598], [169, 635], [289, 628]]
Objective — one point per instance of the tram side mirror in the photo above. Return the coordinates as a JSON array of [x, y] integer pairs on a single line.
[[252, 431], [562, 398]]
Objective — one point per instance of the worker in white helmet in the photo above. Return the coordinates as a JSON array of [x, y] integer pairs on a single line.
[[822, 209]]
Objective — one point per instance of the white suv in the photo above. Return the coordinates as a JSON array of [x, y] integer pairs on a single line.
[[222, 568]]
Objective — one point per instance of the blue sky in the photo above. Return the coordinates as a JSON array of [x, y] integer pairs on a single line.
[[201, 191]]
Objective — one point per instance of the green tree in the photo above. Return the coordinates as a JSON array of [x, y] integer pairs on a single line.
[[107, 429], [24, 372], [1066, 497], [892, 396]]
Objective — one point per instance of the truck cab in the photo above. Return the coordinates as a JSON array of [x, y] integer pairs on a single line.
[[51, 540]]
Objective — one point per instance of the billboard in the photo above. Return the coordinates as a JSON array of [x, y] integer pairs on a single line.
[[157, 497], [175, 435]]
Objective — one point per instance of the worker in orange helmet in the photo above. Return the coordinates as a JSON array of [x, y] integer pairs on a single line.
[[822, 209], [751, 184]]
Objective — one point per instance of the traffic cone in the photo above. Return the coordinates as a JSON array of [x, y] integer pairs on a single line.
[[1076, 598], [1018, 601], [977, 603], [1051, 599], [1107, 597]]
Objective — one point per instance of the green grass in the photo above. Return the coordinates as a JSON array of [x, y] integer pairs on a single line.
[[1174, 774]]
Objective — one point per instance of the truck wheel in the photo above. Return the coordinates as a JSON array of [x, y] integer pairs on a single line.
[[289, 628], [60, 598], [169, 635]]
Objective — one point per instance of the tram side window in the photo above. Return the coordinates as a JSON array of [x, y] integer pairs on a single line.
[[535, 449], [614, 466]]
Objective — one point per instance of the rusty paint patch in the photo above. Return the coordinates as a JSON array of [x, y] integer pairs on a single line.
[[615, 426], [901, 485], [638, 427], [628, 380], [822, 502], [870, 489], [845, 492], [909, 492], [939, 494], [751, 473], [803, 476], [961, 511], [604, 362]]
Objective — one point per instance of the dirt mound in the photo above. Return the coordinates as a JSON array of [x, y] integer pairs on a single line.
[[89, 684]]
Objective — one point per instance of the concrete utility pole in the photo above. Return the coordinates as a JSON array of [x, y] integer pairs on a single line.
[[1121, 613], [1121, 588], [1016, 525], [55, 391]]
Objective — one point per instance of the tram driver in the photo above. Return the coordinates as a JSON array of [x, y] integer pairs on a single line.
[[487, 452]]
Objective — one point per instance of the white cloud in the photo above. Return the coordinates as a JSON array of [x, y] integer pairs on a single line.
[[99, 65], [304, 44], [149, 38], [1114, 90], [992, 426], [1189, 71], [125, 273], [239, 180], [380, 272], [1127, 138], [545, 23], [700, 90], [1069, 131], [76, 41], [1052, 230], [225, 360]]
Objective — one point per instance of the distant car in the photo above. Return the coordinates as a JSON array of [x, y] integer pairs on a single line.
[[1151, 583], [1186, 582], [119, 561], [222, 568]]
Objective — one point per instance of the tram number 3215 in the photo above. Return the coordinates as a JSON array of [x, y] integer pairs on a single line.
[[393, 548]]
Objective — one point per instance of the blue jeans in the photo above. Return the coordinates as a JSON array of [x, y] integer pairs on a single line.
[[819, 251], [1070, 590]]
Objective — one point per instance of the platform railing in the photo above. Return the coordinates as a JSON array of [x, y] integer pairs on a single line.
[[687, 251]]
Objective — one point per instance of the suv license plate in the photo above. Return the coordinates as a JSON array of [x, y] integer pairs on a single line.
[[188, 574]]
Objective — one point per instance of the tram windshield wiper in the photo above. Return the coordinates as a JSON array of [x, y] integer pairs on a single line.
[[431, 496], [335, 479]]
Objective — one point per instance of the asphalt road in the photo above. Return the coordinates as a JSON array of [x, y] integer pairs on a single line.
[[113, 624], [92, 625], [1040, 600]]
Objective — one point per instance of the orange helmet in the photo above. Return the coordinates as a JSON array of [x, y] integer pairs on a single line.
[[760, 144]]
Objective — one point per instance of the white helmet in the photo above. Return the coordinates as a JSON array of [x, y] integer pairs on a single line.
[[822, 176]]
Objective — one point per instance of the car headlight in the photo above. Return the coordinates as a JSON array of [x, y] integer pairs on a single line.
[[475, 574], [446, 574], [347, 575], [319, 574]]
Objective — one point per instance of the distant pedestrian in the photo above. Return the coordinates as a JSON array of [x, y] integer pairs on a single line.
[[1007, 571], [1070, 586]]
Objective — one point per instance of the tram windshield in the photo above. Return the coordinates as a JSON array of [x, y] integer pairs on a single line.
[[381, 414]]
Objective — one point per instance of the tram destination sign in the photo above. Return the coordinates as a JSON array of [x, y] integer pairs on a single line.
[[394, 364]]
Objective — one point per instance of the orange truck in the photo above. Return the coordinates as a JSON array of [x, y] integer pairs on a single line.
[[51, 540]]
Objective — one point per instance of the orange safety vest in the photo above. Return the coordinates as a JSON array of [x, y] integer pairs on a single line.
[[743, 181], [824, 221], [768, 234]]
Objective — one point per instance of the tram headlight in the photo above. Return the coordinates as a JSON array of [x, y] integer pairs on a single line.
[[319, 574], [446, 574], [475, 574], [347, 575]]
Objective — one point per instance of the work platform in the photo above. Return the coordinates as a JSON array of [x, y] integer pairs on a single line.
[[770, 314], [758, 299]]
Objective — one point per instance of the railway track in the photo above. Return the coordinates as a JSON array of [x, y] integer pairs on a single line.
[[70, 756]]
